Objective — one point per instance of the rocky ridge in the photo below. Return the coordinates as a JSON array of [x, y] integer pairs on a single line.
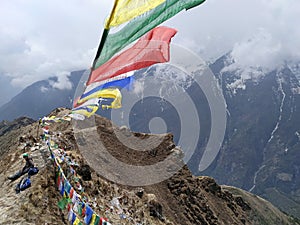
[[6, 126], [182, 199]]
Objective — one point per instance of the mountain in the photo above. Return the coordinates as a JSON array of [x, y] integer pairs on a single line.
[[10, 132], [40, 99], [181, 199], [6, 126], [262, 140]]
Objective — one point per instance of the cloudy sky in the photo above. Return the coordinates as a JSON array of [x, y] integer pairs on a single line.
[[39, 39]]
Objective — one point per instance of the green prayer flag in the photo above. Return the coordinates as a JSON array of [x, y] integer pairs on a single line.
[[62, 203], [97, 220], [79, 210]]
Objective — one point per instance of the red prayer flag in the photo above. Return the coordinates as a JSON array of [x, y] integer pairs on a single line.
[[150, 49]]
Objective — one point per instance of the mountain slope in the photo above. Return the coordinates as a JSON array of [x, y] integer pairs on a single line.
[[260, 150], [262, 212], [40, 99], [6, 126], [182, 199]]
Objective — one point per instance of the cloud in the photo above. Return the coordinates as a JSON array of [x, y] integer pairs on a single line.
[[260, 51], [62, 82], [41, 39], [273, 44], [251, 59], [216, 27]]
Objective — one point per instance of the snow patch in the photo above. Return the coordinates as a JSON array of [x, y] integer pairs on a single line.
[[295, 68], [168, 77], [44, 89], [242, 76], [280, 81], [138, 87], [237, 84], [297, 134], [296, 91], [166, 73]]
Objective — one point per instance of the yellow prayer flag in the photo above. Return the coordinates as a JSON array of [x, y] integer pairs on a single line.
[[125, 10], [93, 220], [104, 93], [117, 103], [113, 93], [89, 111], [76, 222]]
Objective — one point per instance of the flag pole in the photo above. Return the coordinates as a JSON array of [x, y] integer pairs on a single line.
[[104, 34], [102, 41], [38, 127]]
